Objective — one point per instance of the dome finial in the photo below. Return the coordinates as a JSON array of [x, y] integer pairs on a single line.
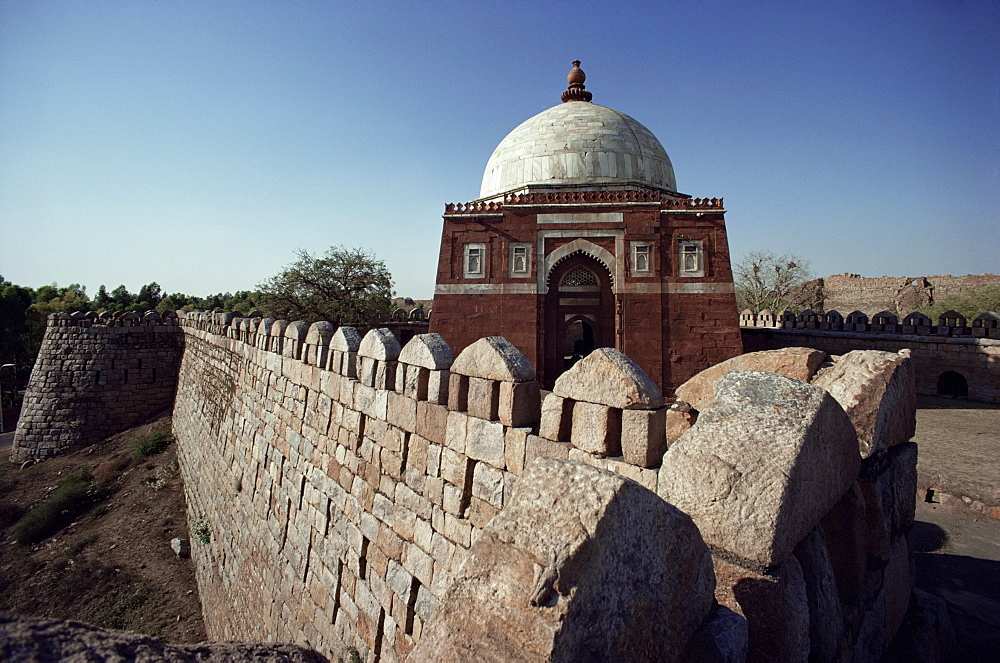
[[577, 91]]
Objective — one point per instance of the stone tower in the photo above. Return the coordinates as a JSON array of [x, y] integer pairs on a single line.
[[578, 240]]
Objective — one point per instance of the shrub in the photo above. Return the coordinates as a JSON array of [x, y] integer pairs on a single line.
[[74, 496], [154, 443], [202, 532]]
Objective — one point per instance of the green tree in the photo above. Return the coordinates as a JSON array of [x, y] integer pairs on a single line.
[[148, 297], [344, 286], [121, 299], [17, 345], [764, 280]]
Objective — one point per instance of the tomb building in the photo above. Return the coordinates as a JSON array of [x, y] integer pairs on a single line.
[[579, 239]]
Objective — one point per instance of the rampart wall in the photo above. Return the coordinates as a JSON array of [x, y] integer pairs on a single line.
[[949, 345], [97, 376], [899, 294], [341, 485]]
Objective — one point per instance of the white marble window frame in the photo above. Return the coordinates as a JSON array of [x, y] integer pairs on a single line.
[[687, 248], [524, 249], [638, 249], [471, 252]]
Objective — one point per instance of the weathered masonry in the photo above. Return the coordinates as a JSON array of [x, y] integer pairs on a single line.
[[950, 356], [580, 240], [360, 491]]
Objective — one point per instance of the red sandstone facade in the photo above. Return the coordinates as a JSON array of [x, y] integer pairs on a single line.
[[565, 272], [579, 240]]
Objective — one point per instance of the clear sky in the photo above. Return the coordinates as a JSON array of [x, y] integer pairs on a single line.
[[199, 143]]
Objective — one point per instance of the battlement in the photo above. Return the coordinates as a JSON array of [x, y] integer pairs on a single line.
[[948, 324], [602, 197], [347, 479]]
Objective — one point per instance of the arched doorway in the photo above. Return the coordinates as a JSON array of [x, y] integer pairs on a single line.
[[579, 313], [952, 385]]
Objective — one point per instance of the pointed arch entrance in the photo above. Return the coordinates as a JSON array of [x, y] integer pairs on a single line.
[[579, 313]]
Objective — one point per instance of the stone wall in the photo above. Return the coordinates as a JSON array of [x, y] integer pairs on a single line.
[[346, 487], [96, 376], [345, 481], [950, 347], [898, 294]]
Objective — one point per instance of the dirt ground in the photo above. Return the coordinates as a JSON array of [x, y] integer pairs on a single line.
[[113, 566], [959, 447]]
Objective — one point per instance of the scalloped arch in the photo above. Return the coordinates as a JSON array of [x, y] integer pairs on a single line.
[[582, 246]]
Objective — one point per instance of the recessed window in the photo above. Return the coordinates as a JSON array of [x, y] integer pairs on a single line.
[[475, 255], [642, 258], [520, 259], [691, 258]]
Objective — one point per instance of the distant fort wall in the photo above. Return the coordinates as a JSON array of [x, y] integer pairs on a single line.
[[901, 295], [951, 356]]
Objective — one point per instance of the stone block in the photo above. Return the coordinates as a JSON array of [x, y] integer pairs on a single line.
[[401, 411], [487, 484], [876, 389], [458, 392], [762, 465], [643, 436], [596, 429], [454, 467], [846, 536], [775, 606], [484, 399], [722, 638], [536, 446], [485, 441], [493, 358], [428, 351], [432, 420], [385, 375], [556, 418], [515, 444], [520, 404], [558, 575], [455, 436], [437, 387], [796, 363], [826, 621], [679, 419], [608, 377]]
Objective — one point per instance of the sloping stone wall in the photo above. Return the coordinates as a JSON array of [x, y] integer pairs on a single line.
[[96, 376]]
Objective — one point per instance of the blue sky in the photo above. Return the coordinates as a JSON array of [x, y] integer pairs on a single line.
[[198, 144]]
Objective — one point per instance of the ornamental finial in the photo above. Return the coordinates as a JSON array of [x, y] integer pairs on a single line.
[[577, 91]]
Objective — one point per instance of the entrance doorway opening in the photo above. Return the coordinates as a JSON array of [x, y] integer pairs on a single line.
[[579, 342], [952, 385], [579, 314]]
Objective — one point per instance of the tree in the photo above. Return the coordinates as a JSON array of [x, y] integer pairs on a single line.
[[766, 281], [969, 304], [345, 286]]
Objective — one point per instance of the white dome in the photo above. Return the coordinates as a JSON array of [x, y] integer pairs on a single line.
[[578, 143]]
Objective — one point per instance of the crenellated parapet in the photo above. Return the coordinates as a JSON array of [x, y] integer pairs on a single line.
[[949, 323], [952, 356], [606, 196]]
